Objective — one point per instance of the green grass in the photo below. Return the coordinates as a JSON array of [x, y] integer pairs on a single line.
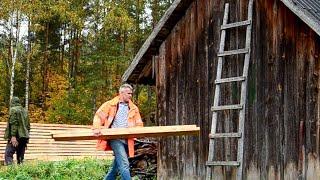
[[89, 169]]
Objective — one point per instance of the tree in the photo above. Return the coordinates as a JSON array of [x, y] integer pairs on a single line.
[[11, 17], [74, 54]]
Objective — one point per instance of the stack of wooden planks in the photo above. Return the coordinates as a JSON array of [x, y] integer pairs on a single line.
[[124, 133], [42, 147]]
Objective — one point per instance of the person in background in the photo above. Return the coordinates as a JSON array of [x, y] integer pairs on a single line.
[[17, 132], [120, 112]]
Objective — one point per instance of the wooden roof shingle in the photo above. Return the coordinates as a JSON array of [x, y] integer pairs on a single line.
[[307, 10]]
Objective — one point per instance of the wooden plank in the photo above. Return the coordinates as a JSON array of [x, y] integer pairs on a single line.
[[4, 124], [231, 79], [35, 135], [225, 135], [124, 133], [223, 163], [55, 146], [67, 154], [59, 158], [60, 150], [52, 141], [233, 52], [236, 24], [226, 107]]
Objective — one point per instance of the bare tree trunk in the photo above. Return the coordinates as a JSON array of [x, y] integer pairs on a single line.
[[9, 58], [63, 45], [125, 37], [137, 25], [136, 93], [12, 73], [71, 59], [45, 68], [94, 102], [14, 58], [61, 39], [28, 67], [155, 13], [149, 90], [8, 69], [96, 62], [77, 56]]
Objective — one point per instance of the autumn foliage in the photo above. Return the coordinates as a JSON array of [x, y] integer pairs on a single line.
[[70, 55]]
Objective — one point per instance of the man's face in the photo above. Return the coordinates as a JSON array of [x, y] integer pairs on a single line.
[[126, 94]]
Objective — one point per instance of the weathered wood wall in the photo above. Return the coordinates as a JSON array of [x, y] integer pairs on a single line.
[[282, 134], [178, 89]]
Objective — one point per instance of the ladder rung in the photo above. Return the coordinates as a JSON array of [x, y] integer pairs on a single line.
[[232, 79], [223, 163], [233, 52], [225, 135], [227, 107], [236, 24]]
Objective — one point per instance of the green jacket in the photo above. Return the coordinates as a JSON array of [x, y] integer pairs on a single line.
[[18, 124]]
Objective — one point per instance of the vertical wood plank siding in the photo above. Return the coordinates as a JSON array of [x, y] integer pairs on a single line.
[[283, 99]]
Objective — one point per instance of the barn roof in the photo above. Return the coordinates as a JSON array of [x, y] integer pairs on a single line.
[[307, 10], [140, 69]]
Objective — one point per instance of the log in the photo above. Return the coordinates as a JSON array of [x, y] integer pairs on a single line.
[[125, 133]]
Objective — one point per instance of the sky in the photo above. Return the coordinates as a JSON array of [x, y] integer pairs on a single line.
[[23, 29]]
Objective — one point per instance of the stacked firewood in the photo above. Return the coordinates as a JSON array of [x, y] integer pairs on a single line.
[[144, 164]]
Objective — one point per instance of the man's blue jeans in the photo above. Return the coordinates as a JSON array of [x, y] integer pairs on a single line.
[[120, 162]]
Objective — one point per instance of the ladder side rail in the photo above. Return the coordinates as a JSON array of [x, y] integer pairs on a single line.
[[244, 93], [217, 90]]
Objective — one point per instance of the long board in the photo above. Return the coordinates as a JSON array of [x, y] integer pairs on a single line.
[[124, 133]]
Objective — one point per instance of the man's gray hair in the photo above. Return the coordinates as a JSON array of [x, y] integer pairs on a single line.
[[125, 86]]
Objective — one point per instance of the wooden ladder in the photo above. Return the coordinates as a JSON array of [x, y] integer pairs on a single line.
[[216, 107]]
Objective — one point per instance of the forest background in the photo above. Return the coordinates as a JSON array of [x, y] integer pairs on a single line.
[[64, 58]]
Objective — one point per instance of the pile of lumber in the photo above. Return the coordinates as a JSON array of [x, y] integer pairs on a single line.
[[43, 147]]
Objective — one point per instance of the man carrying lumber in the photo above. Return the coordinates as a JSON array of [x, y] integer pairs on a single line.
[[17, 132], [120, 112]]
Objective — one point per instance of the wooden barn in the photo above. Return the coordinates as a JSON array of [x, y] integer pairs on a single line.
[[282, 123]]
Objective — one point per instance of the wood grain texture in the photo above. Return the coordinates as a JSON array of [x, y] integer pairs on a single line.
[[125, 133], [283, 98]]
